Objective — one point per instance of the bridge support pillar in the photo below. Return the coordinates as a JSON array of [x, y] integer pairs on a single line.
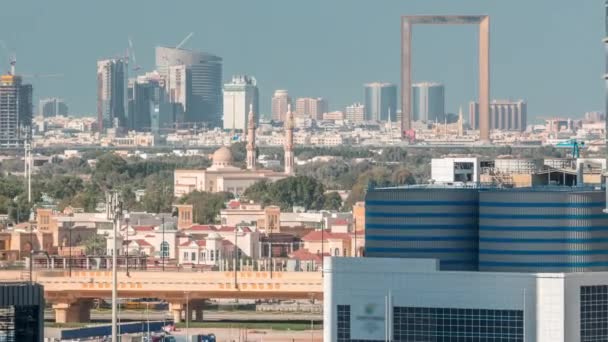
[[196, 310], [73, 312], [176, 311]]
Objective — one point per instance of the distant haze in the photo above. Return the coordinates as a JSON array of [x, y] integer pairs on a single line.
[[548, 52]]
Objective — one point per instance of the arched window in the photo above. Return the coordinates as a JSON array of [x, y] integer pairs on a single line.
[[337, 252], [164, 249]]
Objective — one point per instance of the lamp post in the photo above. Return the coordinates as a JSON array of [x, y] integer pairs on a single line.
[[114, 213], [162, 244], [187, 316], [322, 245], [70, 249], [31, 247], [270, 250], [127, 236], [236, 252]]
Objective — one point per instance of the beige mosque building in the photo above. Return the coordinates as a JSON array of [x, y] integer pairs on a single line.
[[223, 176]]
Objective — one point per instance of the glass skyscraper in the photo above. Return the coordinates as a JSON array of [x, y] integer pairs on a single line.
[[111, 93], [205, 70], [428, 102], [380, 101]]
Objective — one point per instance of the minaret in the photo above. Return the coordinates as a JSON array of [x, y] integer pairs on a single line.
[[251, 139], [460, 123], [289, 141]]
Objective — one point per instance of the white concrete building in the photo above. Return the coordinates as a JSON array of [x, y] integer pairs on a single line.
[[451, 170], [385, 299], [239, 95]]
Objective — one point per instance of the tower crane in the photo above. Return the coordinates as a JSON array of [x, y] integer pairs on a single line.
[[184, 40], [136, 67]]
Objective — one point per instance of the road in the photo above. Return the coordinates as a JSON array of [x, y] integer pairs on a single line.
[[208, 316]]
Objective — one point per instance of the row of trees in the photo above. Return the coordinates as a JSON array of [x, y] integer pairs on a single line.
[[301, 191]]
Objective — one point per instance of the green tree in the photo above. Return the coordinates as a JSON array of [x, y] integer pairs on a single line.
[[60, 187], [239, 151], [332, 201], [259, 192], [289, 192], [87, 199], [5, 204], [159, 194], [128, 198], [206, 205], [20, 209], [110, 170], [95, 245], [393, 154], [11, 186]]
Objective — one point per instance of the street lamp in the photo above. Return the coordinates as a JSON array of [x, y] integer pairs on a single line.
[[236, 252], [322, 246], [114, 213], [127, 236], [70, 249], [187, 316]]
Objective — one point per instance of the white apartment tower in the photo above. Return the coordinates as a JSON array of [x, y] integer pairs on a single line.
[[355, 112], [240, 95], [280, 102]]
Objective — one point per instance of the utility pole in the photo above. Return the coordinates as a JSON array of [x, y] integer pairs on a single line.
[[114, 213], [236, 250], [162, 245], [28, 168]]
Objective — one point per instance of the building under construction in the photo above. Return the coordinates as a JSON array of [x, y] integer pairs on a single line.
[[15, 111], [512, 172]]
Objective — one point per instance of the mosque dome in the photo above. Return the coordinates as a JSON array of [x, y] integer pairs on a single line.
[[222, 157]]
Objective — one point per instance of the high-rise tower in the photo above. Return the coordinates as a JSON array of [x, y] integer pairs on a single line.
[[289, 141], [15, 110], [239, 97], [380, 100], [280, 101], [204, 86], [428, 102], [111, 93], [251, 139]]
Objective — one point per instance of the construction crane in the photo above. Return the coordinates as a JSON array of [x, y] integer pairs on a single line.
[[136, 67], [574, 145], [184, 40]]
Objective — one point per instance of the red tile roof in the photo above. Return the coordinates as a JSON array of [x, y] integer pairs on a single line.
[[143, 243], [233, 204], [200, 243], [340, 222], [205, 227], [143, 228], [318, 235], [304, 255]]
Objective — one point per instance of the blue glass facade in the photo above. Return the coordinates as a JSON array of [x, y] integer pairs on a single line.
[[424, 223], [517, 230]]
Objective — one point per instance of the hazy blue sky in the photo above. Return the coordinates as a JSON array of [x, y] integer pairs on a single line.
[[546, 51]]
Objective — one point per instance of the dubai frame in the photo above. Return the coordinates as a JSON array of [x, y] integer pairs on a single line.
[[483, 21]]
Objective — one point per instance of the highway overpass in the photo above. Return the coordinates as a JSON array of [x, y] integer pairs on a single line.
[[72, 296]]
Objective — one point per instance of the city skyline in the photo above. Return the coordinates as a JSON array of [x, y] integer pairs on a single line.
[[544, 46]]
